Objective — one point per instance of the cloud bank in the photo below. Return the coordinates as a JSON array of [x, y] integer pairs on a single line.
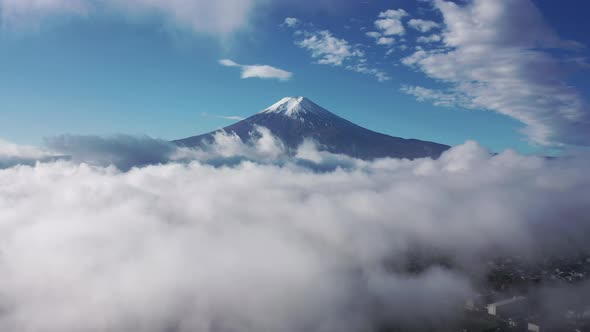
[[14, 154], [264, 245]]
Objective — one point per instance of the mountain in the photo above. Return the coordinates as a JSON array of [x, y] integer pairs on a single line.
[[294, 118]]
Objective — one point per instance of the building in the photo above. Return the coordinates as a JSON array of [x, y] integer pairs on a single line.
[[507, 308], [533, 327]]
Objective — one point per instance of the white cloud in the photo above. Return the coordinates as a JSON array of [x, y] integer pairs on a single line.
[[228, 63], [438, 98], [259, 71], [8, 149], [264, 71], [389, 22], [331, 50], [429, 39], [494, 56], [373, 34], [291, 22], [262, 147], [255, 246], [14, 154], [231, 117], [415, 58], [380, 39], [123, 151], [363, 69], [385, 41], [226, 117], [220, 17], [422, 25]]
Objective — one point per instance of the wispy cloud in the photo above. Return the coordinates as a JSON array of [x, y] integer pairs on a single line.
[[205, 16], [226, 117], [291, 22], [231, 117], [258, 71], [438, 98], [328, 49], [362, 68], [422, 25], [429, 39], [494, 56]]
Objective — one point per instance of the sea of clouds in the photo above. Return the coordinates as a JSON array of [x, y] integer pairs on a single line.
[[135, 234]]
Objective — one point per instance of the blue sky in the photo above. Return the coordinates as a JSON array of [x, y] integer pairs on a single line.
[[150, 67]]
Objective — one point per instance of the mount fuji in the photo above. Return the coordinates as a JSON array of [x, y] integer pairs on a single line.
[[294, 119]]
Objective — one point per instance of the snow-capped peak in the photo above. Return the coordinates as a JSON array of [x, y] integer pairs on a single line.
[[292, 107]]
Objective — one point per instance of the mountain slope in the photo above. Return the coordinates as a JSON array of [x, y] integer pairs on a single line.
[[293, 119]]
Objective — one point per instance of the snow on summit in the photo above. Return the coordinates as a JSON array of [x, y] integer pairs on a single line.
[[292, 107]]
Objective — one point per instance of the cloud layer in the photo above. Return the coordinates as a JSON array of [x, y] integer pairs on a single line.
[[264, 245]]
